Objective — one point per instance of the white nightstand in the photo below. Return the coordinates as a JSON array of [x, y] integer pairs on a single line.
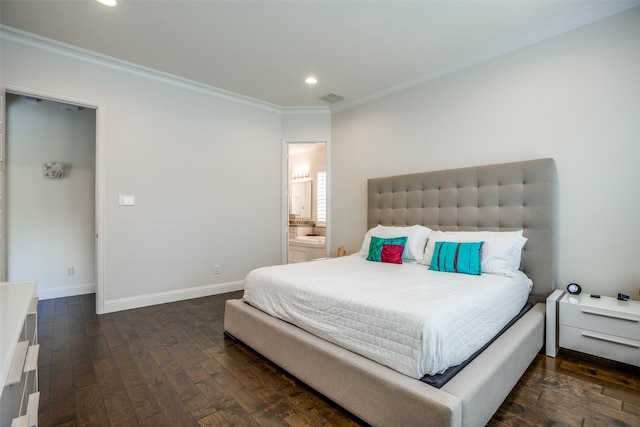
[[604, 327], [551, 333]]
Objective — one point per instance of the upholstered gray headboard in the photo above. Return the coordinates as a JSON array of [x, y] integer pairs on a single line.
[[509, 196]]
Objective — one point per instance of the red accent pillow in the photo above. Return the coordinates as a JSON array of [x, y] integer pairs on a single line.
[[392, 254]]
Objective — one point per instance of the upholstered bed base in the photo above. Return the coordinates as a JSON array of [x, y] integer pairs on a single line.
[[509, 196], [381, 396]]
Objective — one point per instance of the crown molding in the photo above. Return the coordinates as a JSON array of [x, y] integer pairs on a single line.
[[560, 25], [305, 110], [42, 43]]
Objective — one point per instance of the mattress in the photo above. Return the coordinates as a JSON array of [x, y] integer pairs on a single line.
[[406, 317]]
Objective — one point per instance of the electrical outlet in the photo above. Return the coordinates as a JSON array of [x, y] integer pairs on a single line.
[[216, 269], [70, 270]]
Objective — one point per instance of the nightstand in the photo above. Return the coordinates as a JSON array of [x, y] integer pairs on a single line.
[[604, 327]]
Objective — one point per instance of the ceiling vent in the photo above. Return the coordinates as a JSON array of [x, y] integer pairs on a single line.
[[332, 98]]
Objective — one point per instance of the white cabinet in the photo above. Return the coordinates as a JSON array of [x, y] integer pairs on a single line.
[[19, 396], [301, 252], [299, 230], [604, 327]]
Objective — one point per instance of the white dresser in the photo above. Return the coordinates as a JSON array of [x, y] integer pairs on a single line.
[[604, 327], [19, 396]]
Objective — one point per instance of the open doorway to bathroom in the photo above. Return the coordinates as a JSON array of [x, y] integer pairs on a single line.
[[307, 196]]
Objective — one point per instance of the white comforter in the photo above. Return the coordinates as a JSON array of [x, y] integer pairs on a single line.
[[405, 317]]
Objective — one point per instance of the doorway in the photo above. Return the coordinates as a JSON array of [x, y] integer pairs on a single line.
[[307, 196], [50, 194]]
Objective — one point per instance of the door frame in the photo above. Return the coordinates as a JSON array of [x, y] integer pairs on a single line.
[[285, 193], [3, 231], [99, 176]]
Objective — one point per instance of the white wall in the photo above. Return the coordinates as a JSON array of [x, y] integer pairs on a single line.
[[50, 223], [575, 97], [303, 125], [205, 172]]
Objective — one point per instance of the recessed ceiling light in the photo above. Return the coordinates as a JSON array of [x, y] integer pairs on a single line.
[[110, 3], [311, 80]]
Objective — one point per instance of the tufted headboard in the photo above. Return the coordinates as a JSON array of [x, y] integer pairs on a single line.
[[509, 196]]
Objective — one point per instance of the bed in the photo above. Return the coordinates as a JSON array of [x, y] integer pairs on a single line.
[[504, 197]]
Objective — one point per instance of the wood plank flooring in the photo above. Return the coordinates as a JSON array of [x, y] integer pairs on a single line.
[[170, 365]]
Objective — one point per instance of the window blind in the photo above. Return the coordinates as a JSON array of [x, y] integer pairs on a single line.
[[321, 214]]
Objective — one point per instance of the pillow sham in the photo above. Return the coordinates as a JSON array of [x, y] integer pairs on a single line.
[[377, 244], [457, 257], [416, 239], [501, 252]]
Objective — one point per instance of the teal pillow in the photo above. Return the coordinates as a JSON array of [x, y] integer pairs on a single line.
[[375, 247], [457, 257]]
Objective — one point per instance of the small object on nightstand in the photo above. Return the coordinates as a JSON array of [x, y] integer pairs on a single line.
[[574, 288], [595, 296], [623, 297]]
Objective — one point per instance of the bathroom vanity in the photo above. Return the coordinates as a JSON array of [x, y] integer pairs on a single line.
[[303, 247]]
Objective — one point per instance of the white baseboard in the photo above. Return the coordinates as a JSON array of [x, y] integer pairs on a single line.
[[66, 291], [171, 296]]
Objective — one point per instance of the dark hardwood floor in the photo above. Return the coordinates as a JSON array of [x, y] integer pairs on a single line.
[[170, 365]]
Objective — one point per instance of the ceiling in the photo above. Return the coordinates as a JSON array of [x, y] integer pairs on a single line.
[[265, 49]]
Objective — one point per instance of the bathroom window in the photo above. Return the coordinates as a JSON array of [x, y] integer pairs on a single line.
[[321, 202]]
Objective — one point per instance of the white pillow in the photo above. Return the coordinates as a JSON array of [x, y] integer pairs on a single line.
[[416, 239], [501, 253]]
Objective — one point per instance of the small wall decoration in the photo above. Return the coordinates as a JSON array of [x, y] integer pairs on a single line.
[[53, 170]]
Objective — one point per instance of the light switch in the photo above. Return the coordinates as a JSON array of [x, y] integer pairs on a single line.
[[126, 200]]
